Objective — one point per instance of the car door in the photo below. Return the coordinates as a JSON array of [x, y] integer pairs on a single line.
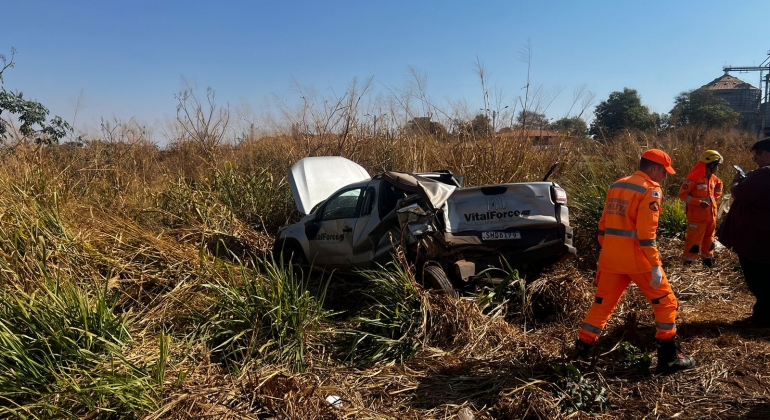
[[363, 246], [332, 244]]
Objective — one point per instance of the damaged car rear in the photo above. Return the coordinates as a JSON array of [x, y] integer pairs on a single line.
[[452, 234]]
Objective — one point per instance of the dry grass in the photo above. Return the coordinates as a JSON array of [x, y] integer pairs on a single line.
[[96, 215]]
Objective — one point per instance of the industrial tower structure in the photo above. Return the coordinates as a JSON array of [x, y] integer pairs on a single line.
[[760, 123]]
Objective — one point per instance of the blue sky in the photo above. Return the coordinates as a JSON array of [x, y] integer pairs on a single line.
[[127, 59]]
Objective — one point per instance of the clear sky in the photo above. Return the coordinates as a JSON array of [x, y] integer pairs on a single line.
[[127, 59]]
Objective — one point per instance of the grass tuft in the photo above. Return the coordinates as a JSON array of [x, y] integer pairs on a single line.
[[61, 355], [263, 316]]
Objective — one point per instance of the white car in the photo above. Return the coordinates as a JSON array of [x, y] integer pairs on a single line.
[[452, 233]]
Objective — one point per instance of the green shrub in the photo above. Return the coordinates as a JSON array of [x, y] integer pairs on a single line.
[[263, 316], [576, 392], [256, 198], [391, 329], [673, 218], [586, 203], [60, 356]]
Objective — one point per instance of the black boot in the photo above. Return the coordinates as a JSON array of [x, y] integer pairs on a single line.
[[671, 359], [708, 262], [582, 350]]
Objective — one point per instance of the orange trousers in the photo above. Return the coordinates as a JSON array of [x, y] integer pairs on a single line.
[[700, 240], [609, 289]]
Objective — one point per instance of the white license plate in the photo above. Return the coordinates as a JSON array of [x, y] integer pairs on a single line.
[[492, 236]]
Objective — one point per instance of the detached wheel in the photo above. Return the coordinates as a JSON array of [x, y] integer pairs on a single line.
[[435, 277]]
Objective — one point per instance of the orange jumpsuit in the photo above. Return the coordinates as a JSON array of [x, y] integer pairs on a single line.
[[629, 249], [701, 222]]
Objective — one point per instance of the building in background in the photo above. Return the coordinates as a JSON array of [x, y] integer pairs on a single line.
[[743, 98], [761, 121]]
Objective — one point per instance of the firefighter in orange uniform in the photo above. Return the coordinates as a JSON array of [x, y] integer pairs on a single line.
[[630, 254], [701, 190]]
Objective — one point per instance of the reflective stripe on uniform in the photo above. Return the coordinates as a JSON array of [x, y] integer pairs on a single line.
[[705, 199], [629, 186], [620, 232], [665, 326], [647, 242], [688, 199], [601, 232], [591, 328], [717, 190]]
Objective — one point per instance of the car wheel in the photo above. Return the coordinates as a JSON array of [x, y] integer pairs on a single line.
[[435, 277], [291, 253]]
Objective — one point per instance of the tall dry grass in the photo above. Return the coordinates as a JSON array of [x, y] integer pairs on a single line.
[[168, 247]]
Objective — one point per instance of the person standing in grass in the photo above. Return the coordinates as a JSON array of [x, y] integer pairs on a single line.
[[701, 190], [627, 234], [746, 230]]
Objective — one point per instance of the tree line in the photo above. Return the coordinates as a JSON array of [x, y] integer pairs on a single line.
[[622, 110]]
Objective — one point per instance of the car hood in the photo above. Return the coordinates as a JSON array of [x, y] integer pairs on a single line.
[[314, 179], [435, 192]]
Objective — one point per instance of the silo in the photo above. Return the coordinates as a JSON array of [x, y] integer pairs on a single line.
[[741, 96]]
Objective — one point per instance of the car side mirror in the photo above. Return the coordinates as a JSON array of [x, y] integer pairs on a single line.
[[312, 227]]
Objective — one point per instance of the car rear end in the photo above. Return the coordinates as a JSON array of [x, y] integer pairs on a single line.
[[522, 222]]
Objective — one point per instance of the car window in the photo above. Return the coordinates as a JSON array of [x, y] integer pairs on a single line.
[[390, 194], [342, 206], [367, 205]]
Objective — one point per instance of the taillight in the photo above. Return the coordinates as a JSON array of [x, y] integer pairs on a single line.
[[559, 195]]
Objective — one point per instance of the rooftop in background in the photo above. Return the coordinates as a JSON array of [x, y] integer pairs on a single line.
[[727, 82]]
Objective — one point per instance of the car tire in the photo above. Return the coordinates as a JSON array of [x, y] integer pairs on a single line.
[[435, 277], [291, 253]]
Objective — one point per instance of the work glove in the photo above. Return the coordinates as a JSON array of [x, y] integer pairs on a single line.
[[657, 276]]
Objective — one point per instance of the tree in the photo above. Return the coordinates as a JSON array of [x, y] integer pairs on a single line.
[[622, 111], [532, 119], [31, 115], [573, 126], [424, 126], [481, 126], [701, 107]]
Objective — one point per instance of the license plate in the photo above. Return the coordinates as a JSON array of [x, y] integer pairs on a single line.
[[492, 236]]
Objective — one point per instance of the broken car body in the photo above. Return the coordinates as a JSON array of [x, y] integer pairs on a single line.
[[462, 231]]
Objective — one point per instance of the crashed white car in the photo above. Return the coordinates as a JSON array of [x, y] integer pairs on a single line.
[[452, 234]]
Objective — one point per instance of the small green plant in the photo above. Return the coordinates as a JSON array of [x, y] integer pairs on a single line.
[[391, 329], [673, 218], [264, 316], [511, 291], [587, 204], [634, 358], [576, 392]]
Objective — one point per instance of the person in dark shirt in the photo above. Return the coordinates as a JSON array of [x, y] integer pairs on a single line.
[[746, 231]]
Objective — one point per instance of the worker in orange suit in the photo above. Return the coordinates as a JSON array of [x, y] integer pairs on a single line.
[[701, 190], [627, 234]]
